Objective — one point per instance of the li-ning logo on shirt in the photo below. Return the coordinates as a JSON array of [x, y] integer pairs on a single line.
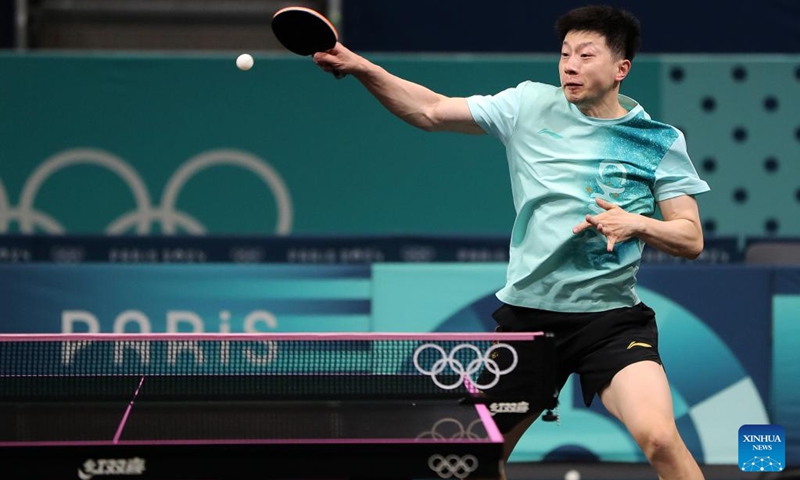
[[639, 344], [550, 133]]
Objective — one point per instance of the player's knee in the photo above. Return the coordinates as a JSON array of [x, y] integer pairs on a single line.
[[659, 442]]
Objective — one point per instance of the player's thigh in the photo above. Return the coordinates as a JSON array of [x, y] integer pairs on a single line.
[[639, 396]]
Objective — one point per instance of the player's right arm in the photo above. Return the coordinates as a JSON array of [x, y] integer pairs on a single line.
[[411, 102]]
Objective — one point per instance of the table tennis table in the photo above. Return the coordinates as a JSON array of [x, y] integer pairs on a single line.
[[181, 406]]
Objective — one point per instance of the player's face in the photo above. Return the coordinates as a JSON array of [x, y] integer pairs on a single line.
[[589, 70]]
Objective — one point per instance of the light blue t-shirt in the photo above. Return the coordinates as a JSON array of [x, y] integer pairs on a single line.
[[560, 161]]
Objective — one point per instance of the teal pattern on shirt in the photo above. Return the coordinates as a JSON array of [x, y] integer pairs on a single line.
[[560, 161], [640, 144]]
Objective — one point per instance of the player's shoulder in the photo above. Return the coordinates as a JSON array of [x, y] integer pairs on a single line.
[[665, 128], [657, 133], [537, 95], [643, 119], [530, 86], [527, 94]]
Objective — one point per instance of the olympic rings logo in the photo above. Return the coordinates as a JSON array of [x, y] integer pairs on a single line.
[[144, 214], [465, 373], [453, 465], [439, 430]]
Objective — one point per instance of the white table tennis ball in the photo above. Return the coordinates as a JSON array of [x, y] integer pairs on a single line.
[[572, 475], [244, 62]]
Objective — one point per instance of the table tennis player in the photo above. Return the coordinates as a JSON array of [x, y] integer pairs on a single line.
[[589, 171]]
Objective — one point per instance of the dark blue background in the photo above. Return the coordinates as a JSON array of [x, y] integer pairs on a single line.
[[678, 26]]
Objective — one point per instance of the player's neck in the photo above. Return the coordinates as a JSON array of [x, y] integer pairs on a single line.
[[608, 108]]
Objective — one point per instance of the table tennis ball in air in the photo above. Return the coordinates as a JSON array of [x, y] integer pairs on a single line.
[[572, 475], [244, 62]]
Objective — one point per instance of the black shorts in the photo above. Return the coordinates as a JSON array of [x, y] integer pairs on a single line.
[[594, 345]]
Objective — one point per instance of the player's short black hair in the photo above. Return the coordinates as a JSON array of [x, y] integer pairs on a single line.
[[620, 28]]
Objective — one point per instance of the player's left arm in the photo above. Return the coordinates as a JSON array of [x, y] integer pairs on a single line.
[[679, 233]]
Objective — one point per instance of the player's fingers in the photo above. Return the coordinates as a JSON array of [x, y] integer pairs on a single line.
[[604, 204], [593, 220], [323, 57], [329, 64], [610, 244], [581, 227]]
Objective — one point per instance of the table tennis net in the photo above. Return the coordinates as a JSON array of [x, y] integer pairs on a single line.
[[263, 367]]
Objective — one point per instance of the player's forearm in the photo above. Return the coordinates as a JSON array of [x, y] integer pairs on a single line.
[[409, 101], [679, 237]]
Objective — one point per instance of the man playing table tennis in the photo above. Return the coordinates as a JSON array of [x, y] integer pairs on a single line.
[[588, 167]]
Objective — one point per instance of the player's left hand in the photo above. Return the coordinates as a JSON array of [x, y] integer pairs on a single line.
[[615, 224]]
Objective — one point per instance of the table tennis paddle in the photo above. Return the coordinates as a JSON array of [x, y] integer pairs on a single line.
[[304, 31]]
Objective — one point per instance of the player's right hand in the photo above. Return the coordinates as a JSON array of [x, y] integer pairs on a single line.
[[339, 60]]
